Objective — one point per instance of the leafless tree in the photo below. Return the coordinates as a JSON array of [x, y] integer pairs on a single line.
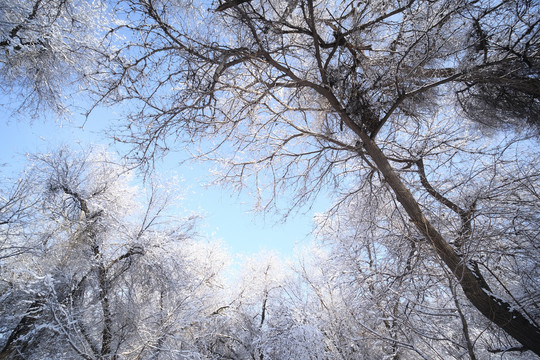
[[300, 95], [49, 51], [108, 277]]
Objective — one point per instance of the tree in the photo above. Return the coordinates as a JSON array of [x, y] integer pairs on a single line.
[[507, 91], [14, 217], [49, 49], [387, 279], [358, 96], [263, 316], [108, 277]]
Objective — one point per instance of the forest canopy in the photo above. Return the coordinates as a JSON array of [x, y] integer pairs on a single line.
[[420, 118]]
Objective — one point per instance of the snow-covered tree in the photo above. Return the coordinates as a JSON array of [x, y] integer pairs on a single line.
[[111, 274], [49, 49], [263, 315], [365, 97], [387, 279], [378, 101]]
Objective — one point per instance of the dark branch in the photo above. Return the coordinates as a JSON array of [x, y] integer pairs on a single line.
[[229, 4]]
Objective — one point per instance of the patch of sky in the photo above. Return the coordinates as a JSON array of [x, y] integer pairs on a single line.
[[227, 215]]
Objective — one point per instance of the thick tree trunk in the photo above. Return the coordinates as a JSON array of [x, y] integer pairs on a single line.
[[106, 338], [496, 310], [19, 339]]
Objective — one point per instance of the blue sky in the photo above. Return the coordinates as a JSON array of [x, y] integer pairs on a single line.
[[226, 215]]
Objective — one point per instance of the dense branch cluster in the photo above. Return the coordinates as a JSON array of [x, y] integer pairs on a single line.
[[419, 117], [48, 48]]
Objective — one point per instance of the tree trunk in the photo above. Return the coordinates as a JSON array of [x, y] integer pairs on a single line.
[[496, 310], [106, 341], [473, 284], [106, 334], [19, 339]]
